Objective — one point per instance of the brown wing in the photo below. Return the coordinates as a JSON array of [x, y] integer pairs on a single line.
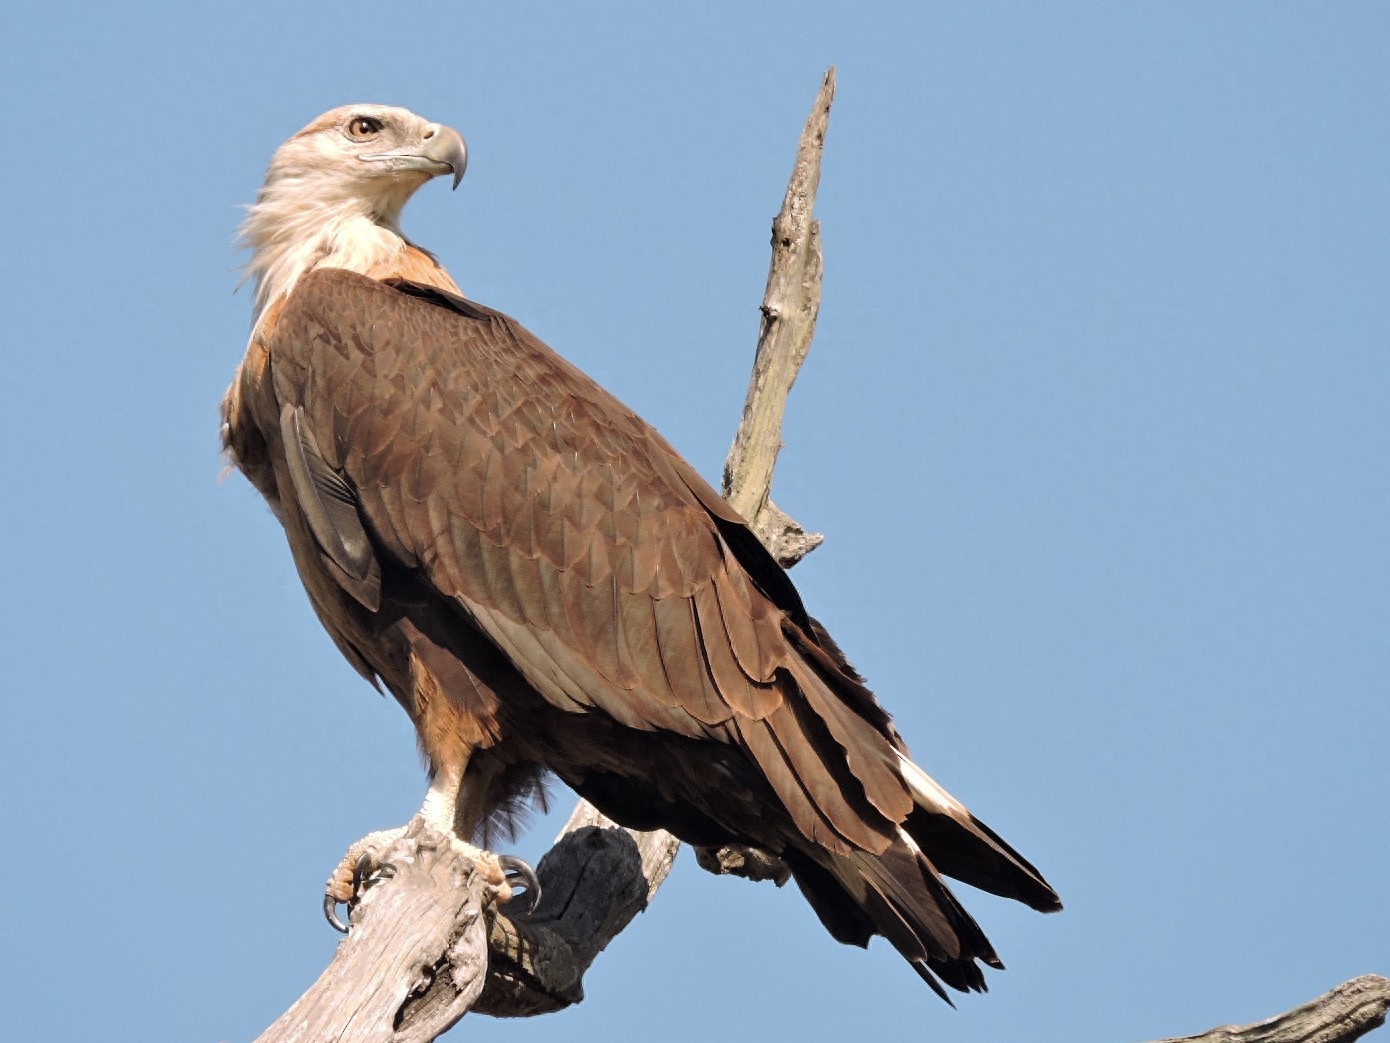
[[426, 433], [613, 577]]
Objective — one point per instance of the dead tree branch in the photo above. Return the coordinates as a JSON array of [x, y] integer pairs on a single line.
[[790, 305], [414, 961], [1346, 1013], [425, 948]]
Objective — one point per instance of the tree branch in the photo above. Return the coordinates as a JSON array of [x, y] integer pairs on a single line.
[[425, 948], [1346, 1013], [790, 306], [414, 960]]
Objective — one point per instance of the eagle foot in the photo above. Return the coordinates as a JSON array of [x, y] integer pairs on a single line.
[[363, 867], [502, 874]]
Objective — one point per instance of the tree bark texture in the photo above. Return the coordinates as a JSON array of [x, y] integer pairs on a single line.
[[1347, 1012], [425, 947]]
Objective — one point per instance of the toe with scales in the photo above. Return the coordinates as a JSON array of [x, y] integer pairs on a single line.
[[362, 866]]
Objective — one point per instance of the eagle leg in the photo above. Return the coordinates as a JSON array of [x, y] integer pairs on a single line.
[[363, 864]]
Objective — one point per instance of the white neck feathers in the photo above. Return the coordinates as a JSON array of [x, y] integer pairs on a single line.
[[300, 223]]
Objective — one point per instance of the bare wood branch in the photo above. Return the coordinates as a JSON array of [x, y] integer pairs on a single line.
[[413, 963], [751, 863], [1346, 1013], [790, 305]]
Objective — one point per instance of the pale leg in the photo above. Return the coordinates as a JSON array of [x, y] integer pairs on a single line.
[[447, 793]]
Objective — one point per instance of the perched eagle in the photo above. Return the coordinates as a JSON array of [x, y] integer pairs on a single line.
[[546, 586]]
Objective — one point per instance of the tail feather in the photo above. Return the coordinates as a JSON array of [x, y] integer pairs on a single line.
[[964, 848], [899, 895], [883, 874]]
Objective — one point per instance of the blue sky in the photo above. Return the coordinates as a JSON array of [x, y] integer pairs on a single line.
[[1095, 422]]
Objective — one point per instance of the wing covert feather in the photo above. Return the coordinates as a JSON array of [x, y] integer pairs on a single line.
[[574, 536]]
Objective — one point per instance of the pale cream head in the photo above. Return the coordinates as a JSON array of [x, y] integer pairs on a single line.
[[334, 192]]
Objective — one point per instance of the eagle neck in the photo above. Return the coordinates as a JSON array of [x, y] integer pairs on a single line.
[[292, 233]]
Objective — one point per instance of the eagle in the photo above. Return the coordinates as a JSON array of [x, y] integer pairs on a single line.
[[548, 588]]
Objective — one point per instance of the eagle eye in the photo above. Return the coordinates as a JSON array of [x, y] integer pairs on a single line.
[[360, 128]]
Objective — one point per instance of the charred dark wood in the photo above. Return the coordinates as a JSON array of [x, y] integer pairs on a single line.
[[751, 863], [596, 878]]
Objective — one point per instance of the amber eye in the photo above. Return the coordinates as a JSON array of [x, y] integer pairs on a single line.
[[360, 128]]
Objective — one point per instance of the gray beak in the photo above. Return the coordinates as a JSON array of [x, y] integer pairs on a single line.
[[446, 145]]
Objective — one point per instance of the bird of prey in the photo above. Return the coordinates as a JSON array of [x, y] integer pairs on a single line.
[[547, 587]]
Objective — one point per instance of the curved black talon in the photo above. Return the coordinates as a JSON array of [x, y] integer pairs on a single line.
[[330, 913], [360, 873], [364, 875], [518, 872]]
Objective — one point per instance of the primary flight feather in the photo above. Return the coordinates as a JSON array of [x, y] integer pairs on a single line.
[[546, 586]]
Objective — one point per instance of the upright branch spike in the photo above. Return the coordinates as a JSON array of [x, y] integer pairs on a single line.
[[790, 306]]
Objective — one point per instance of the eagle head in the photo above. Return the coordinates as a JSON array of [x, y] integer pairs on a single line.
[[378, 152], [334, 193]]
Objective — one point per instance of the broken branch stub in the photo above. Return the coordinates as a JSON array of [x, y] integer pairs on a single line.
[[791, 303]]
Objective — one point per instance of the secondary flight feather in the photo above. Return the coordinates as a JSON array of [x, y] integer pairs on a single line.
[[546, 586]]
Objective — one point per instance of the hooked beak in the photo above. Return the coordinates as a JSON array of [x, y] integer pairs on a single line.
[[446, 146], [442, 151]]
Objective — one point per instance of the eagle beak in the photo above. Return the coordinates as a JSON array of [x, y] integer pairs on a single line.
[[446, 146], [441, 151]]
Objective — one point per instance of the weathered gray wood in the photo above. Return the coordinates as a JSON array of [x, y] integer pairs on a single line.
[[1346, 1013], [790, 305], [413, 963]]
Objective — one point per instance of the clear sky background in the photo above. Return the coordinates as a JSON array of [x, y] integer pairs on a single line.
[[1095, 422]]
